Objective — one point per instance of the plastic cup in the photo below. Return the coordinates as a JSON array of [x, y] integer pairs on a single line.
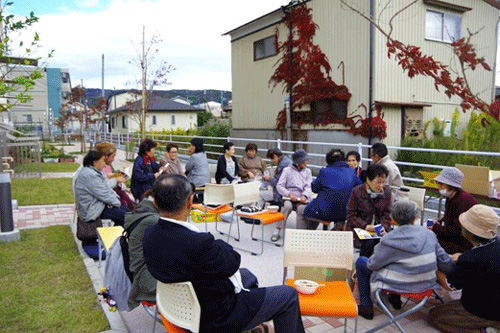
[[378, 229], [430, 223]]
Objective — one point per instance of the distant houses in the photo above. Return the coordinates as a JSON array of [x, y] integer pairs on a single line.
[[162, 114]]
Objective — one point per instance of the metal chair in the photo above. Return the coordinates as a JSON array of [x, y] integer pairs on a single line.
[[249, 193], [178, 306], [423, 297], [325, 249]]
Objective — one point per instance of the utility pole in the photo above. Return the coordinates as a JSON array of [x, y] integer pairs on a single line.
[[103, 115], [144, 101]]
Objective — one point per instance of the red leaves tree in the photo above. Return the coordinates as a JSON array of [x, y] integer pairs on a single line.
[[413, 62], [303, 66]]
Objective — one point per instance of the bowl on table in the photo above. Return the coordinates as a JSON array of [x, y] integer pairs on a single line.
[[306, 286], [273, 208]]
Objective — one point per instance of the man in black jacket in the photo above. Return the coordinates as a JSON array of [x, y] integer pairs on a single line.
[[176, 251]]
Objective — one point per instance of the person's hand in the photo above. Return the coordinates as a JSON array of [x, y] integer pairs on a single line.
[[266, 178], [455, 256], [250, 175], [370, 228], [292, 197], [383, 232], [303, 199]]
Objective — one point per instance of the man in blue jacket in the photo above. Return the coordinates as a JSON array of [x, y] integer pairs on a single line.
[[333, 185], [176, 251]]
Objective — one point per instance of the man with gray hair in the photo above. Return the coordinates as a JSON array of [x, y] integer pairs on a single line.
[[405, 260], [176, 251]]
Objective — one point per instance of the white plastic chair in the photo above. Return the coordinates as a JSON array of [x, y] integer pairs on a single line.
[[325, 249], [418, 196], [216, 195], [244, 193], [178, 304]]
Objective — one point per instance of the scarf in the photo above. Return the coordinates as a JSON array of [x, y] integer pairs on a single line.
[[147, 159]]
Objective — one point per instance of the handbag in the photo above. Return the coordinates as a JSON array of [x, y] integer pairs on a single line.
[[87, 231]]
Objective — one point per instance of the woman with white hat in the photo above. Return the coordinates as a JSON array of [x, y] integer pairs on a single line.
[[477, 273], [448, 229]]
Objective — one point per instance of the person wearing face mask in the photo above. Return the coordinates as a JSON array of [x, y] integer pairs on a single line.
[[448, 229], [369, 205]]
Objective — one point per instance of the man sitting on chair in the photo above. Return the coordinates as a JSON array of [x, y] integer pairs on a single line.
[[176, 251], [404, 261]]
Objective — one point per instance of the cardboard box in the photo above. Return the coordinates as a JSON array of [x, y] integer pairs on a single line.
[[480, 180]]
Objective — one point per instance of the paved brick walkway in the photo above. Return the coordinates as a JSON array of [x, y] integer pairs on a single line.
[[42, 216]]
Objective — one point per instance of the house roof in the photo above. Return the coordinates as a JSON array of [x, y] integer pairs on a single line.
[[157, 103], [494, 3]]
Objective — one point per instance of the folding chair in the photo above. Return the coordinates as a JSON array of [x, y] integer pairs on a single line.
[[178, 306], [326, 249], [423, 297]]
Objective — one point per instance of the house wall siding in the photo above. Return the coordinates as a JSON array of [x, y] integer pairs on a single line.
[[184, 120], [344, 37]]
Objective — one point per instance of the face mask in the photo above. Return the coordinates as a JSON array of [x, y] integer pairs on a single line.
[[444, 192]]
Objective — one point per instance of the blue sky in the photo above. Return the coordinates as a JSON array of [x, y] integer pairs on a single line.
[[80, 31]]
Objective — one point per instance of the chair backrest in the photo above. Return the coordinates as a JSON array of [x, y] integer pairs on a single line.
[[318, 248], [418, 196], [178, 303], [217, 194], [246, 193]]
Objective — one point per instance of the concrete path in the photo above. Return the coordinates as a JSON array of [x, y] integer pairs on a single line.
[[267, 267]]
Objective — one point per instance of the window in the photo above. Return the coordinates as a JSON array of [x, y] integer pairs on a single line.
[[65, 94], [172, 121], [329, 109], [28, 118], [65, 77], [153, 121], [264, 48], [442, 27], [124, 122], [113, 122]]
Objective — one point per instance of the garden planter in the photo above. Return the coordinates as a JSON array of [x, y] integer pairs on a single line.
[[67, 159], [50, 160]]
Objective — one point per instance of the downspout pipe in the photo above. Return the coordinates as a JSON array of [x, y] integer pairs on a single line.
[[370, 70]]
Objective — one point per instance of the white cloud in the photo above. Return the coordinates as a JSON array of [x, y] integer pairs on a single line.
[[191, 33]]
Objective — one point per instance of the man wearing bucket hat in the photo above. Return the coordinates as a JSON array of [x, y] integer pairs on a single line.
[[448, 229], [477, 273], [295, 186]]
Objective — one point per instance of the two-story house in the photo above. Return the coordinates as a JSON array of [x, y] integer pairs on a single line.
[[358, 57]]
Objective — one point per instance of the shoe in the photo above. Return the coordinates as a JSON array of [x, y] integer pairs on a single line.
[[395, 301], [276, 235], [365, 312]]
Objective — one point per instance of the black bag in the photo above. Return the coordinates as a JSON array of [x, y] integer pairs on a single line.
[[87, 231], [124, 245]]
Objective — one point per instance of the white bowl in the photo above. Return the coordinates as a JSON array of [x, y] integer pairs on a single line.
[[273, 208], [306, 286]]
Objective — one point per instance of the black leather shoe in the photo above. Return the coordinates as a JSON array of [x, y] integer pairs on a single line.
[[365, 312], [395, 301]]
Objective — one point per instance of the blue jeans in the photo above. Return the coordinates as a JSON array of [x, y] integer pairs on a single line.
[[364, 275]]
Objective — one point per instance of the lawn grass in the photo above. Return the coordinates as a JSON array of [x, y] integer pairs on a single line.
[[48, 167], [37, 191], [44, 286]]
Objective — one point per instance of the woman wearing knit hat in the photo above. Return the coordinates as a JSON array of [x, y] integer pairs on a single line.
[[447, 229], [477, 273]]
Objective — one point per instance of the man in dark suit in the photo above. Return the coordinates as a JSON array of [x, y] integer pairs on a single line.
[[176, 251]]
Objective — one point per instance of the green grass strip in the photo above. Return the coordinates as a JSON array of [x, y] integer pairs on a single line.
[[44, 286], [48, 167], [37, 191]]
